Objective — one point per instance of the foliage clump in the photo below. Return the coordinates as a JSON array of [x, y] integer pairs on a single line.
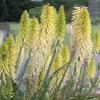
[[40, 65]]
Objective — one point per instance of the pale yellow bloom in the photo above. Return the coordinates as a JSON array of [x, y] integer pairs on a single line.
[[97, 42], [48, 23], [92, 68], [57, 61], [81, 38], [24, 26], [65, 54]]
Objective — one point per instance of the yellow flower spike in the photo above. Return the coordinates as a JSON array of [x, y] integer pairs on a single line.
[[97, 42], [81, 38], [57, 61], [45, 37], [60, 27], [40, 44], [24, 25], [34, 30], [7, 59], [3, 49], [11, 47], [61, 23], [65, 54], [48, 22], [11, 55], [92, 69]]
